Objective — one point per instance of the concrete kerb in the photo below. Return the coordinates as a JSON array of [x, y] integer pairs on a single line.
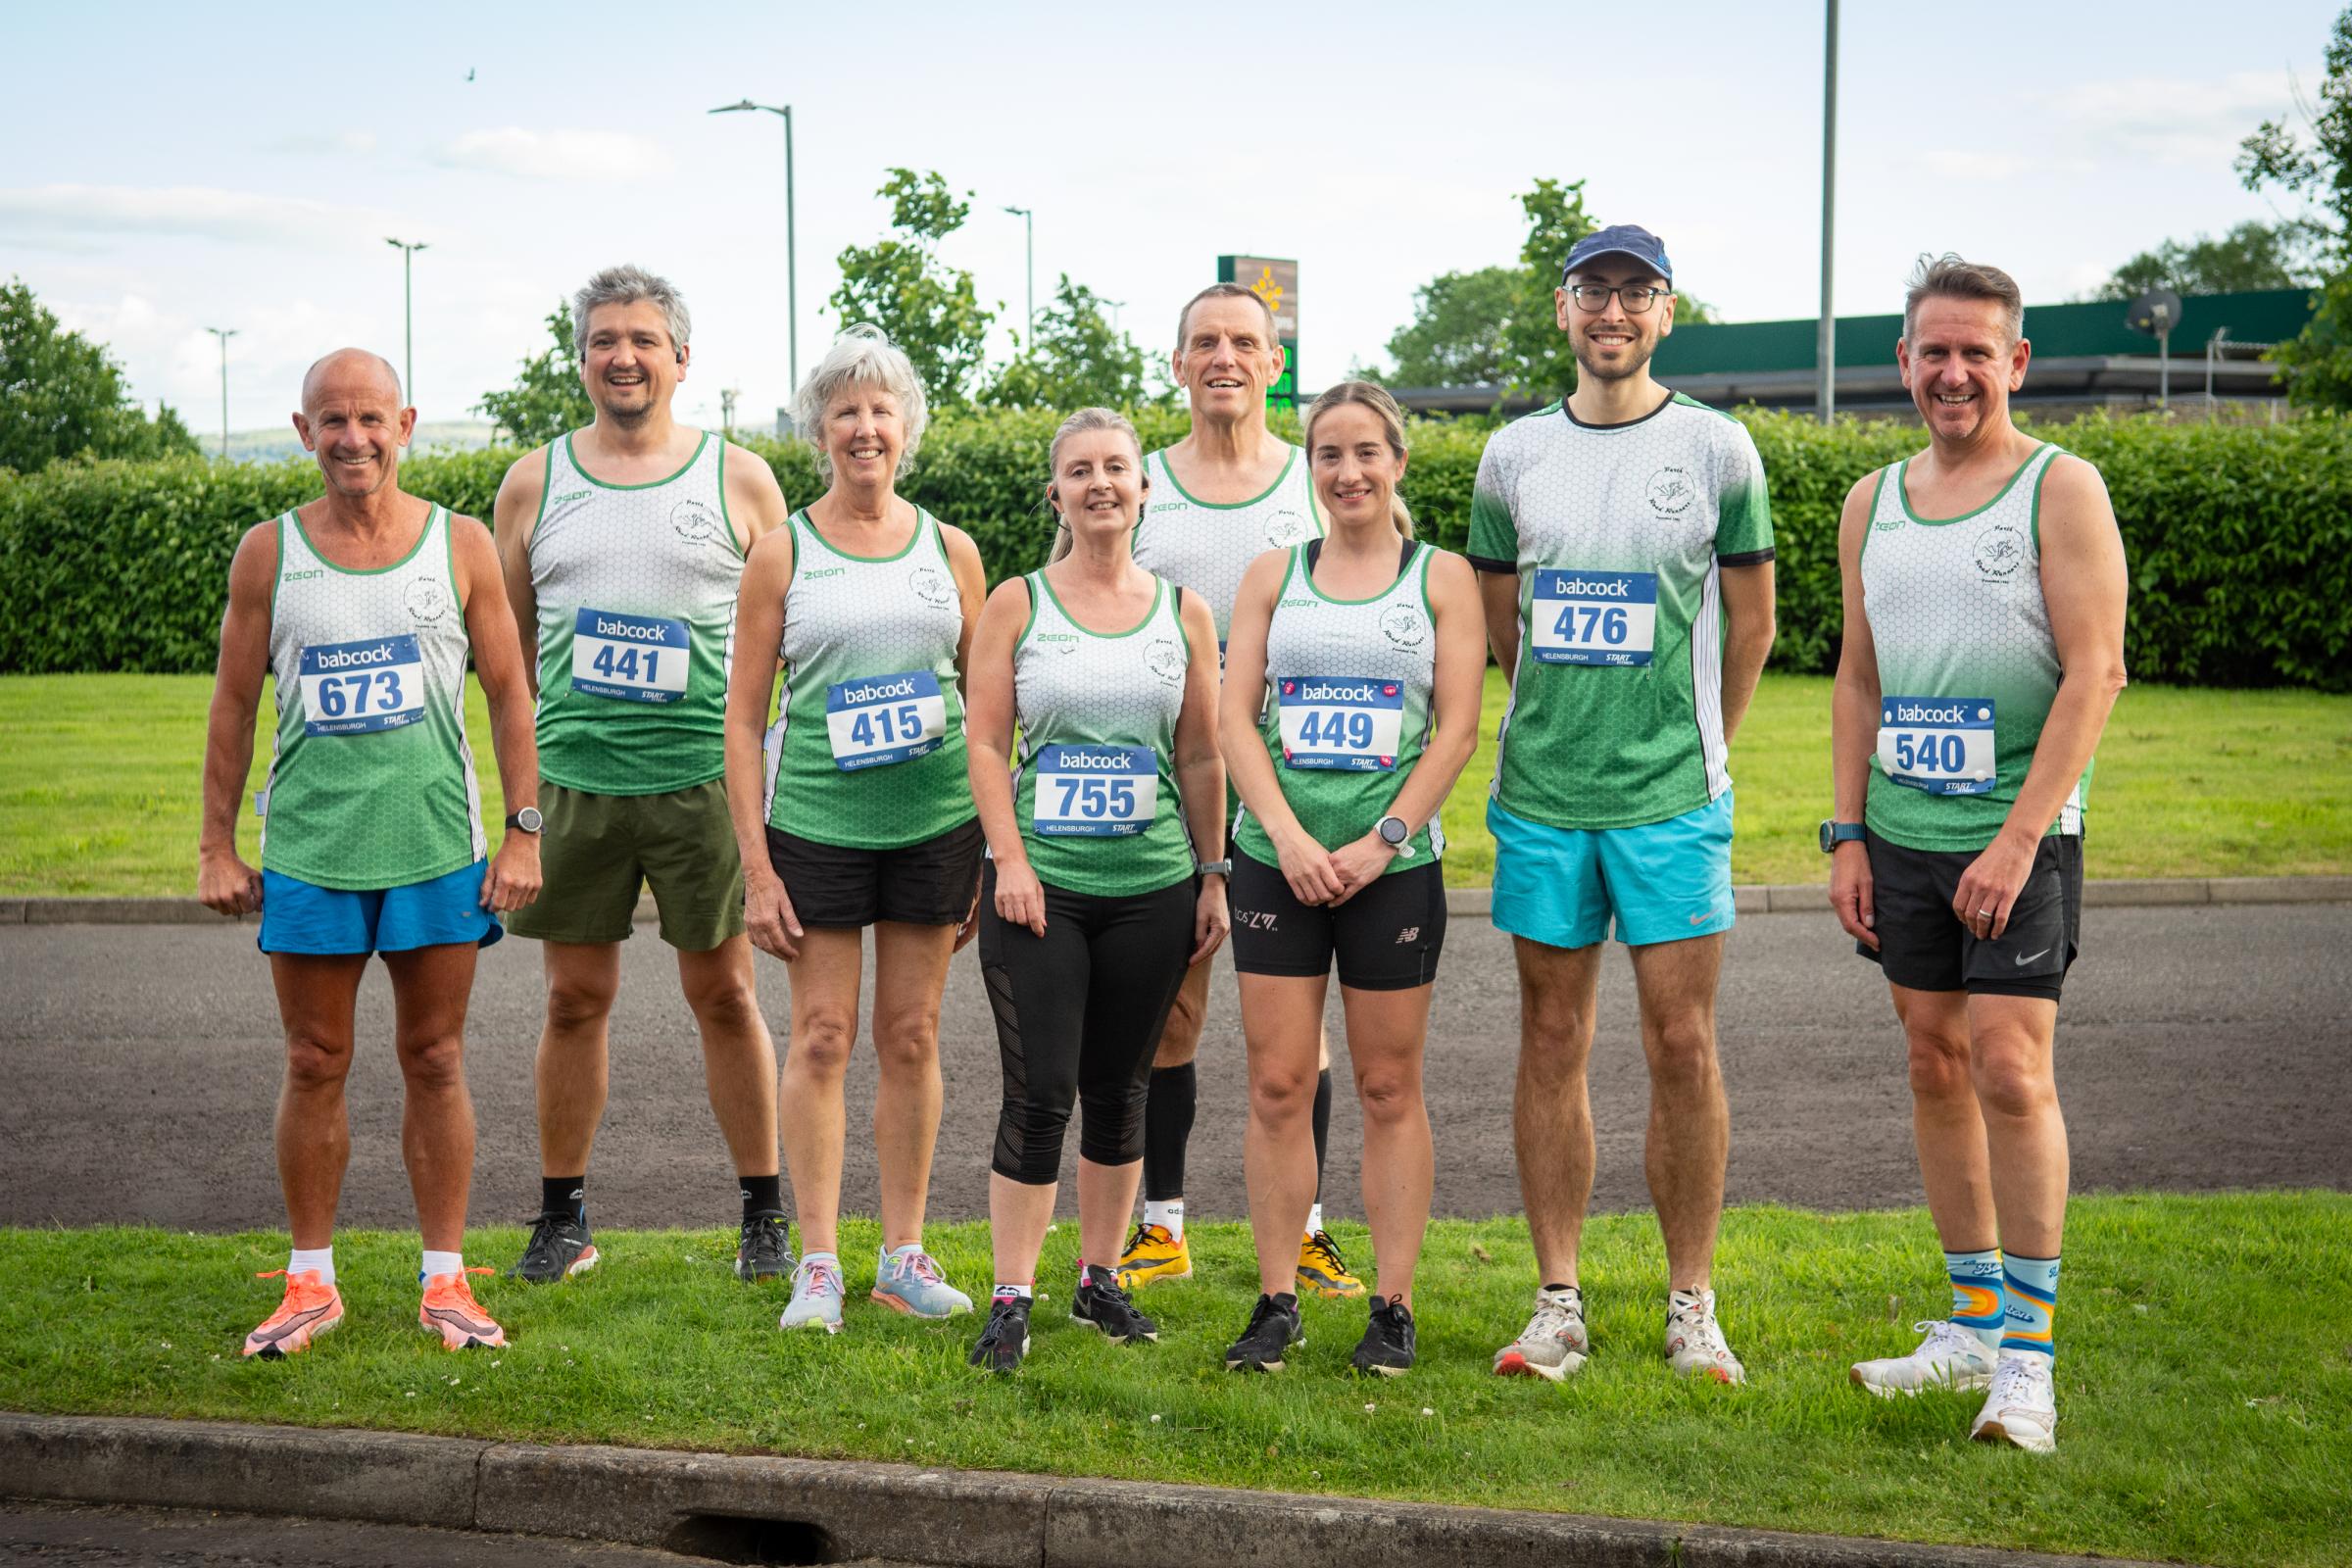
[[746, 1508]]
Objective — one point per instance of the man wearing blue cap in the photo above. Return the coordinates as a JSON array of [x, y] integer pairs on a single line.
[[1624, 542]]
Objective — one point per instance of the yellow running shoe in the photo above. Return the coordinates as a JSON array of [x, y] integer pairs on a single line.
[[1154, 1253], [450, 1310], [310, 1309], [1322, 1270]]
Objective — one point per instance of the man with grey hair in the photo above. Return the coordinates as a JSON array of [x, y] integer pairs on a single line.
[[623, 545], [1984, 589]]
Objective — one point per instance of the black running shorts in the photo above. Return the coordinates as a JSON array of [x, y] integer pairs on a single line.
[[1924, 946], [929, 883], [1387, 938]]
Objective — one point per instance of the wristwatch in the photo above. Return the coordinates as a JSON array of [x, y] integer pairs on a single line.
[[527, 820], [1834, 833], [1212, 869], [1396, 835]]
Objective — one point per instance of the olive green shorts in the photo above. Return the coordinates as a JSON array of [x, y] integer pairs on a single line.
[[595, 851]]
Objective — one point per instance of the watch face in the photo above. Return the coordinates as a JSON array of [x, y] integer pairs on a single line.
[[1393, 830], [1829, 837], [528, 820]]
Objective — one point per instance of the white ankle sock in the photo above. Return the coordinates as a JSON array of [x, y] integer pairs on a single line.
[[1169, 1215], [437, 1264], [1314, 1220], [314, 1260]]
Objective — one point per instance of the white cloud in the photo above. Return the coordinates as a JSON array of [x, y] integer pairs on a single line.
[[2175, 122], [600, 154], [79, 216], [328, 143]]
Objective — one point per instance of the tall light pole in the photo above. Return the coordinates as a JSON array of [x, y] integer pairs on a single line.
[[1029, 231], [1116, 305], [792, 275], [408, 313], [224, 333], [1825, 347]]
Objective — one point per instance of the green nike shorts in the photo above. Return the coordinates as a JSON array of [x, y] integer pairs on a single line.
[[597, 851]]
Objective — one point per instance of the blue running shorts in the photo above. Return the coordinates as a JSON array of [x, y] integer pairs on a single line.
[[1661, 882], [299, 917]]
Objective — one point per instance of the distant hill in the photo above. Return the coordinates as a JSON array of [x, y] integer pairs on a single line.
[[269, 446]]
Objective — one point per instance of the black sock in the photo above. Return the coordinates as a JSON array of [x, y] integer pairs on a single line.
[[1322, 1127], [762, 1194], [564, 1195], [1167, 1128]]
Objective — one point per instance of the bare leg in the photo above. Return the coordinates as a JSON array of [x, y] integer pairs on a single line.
[[911, 972], [825, 1027], [315, 998], [1945, 1122], [1281, 1017], [739, 1059], [582, 979], [1018, 1216], [2024, 1129], [1689, 1122], [431, 989], [1180, 1036], [1387, 1031], [1551, 1111], [1106, 1197]]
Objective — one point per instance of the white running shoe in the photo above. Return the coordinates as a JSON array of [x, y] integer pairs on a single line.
[[1694, 1342], [1949, 1357], [1554, 1343], [815, 1297], [2022, 1406]]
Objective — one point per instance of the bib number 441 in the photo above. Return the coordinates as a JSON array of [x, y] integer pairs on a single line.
[[634, 658]]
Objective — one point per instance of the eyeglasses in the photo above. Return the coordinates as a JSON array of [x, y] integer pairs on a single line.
[[1636, 297]]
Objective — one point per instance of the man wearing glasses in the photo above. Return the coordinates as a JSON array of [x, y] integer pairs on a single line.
[[1624, 542]]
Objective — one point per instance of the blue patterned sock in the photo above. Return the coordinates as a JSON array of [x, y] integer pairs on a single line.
[[2032, 1286], [1976, 1294]]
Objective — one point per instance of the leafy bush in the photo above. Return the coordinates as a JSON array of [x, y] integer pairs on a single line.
[[2240, 537]]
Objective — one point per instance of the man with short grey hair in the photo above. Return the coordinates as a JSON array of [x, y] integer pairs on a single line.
[[622, 546]]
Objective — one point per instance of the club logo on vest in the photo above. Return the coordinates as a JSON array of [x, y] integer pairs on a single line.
[[1289, 526], [1404, 627], [695, 523], [1166, 660], [1671, 492], [2000, 551], [932, 586], [427, 602]]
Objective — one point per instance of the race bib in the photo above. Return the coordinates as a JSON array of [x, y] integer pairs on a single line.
[[1337, 722], [885, 719], [636, 659], [360, 688], [1593, 617], [1942, 744], [1098, 792]]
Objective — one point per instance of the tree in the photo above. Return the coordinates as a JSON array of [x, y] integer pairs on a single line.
[[62, 395], [1077, 362], [547, 398], [2253, 255], [900, 285], [2319, 360], [1456, 336]]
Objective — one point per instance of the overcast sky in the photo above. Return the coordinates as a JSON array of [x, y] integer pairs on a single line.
[[168, 167]]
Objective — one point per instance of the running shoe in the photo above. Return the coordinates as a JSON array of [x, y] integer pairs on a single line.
[[910, 1281], [2023, 1407], [1554, 1343], [1005, 1339], [1387, 1348], [1274, 1327], [559, 1248], [763, 1251], [450, 1310], [1321, 1269], [1154, 1253], [1102, 1304], [1949, 1357], [311, 1307], [815, 1297], [1694, 1342]]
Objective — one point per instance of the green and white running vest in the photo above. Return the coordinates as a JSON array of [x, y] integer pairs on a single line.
[[869, 753], [370, 782], [1967, 665], [1349, 686], [1207, 546], [1096, 791], [636, 587]]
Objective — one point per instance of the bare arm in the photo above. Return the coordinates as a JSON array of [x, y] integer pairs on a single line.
[[1305, 865], [987, 718], [514, 514], [1853, 724], [768, 912], [512, 879], [1747, 632], [756, 505], [1201, 769], [223, 881], [1499, 595], [971, 585]]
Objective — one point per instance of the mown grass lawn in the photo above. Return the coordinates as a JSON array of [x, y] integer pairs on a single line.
[[2205, 1373], [101, 784]]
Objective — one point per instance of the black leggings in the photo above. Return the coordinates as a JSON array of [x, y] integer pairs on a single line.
[[1079, 1012]]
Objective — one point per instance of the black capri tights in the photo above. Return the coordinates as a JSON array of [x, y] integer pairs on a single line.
[[1079, 1012]]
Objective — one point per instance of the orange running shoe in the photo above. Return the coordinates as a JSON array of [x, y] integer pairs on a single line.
[[309, 1310], [451, 1311]]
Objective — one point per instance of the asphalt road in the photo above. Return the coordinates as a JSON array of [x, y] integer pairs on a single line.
[[2199, 1047]]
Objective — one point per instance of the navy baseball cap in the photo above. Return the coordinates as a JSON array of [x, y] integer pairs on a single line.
[[1620, 239]]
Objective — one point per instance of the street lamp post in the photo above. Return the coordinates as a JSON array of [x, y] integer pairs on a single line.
[[408, 313], [1824, 348], [1029, 233], [1116, 305], [224, 333], [792, 294]]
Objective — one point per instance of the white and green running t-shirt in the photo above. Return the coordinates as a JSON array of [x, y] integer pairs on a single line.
[[1617, 533]]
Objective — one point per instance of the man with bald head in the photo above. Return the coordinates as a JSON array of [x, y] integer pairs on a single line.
[[364, 606]]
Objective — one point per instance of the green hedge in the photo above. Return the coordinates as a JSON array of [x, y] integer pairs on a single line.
[[2239, 536]]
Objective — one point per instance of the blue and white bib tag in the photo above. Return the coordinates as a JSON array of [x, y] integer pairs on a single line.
[[635, 658], [885, 718], [1942, 744], [1105, 792], [1593, 617], [1355, 723], [362, 687]]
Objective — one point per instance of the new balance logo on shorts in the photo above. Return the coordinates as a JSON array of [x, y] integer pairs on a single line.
[[1412, 933]]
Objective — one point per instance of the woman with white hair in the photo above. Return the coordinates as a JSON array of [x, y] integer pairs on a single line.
[[866, 818]]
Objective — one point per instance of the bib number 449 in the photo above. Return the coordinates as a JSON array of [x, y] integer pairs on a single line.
[[1355, 723]]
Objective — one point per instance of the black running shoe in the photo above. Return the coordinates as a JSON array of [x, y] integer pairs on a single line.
[[1100, 1304], [560, 1248], [1005, 1339], [1387, 1346], [765, 1250], [1274, 1327]]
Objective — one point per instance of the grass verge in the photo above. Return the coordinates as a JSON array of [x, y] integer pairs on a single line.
[[101, 784], [2205, 1380]]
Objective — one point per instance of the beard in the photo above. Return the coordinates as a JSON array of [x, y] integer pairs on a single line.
[[1633, 364]]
